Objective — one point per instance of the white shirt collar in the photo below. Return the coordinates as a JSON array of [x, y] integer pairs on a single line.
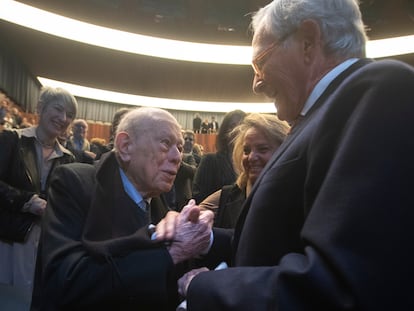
[[59, 150], [321, 86]]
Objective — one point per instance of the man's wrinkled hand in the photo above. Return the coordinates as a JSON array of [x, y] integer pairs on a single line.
[[165, 229], [189, 232]]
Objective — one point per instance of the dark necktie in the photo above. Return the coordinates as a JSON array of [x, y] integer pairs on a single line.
[[144, 205]]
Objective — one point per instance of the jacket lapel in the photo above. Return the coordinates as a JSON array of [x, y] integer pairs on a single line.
[[28, 154], [293, 136]]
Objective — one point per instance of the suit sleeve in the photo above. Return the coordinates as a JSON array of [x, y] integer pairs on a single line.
[[204, 182], [358, 251], [11, 198]]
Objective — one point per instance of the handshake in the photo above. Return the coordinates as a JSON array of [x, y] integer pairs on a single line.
[[188, 233]]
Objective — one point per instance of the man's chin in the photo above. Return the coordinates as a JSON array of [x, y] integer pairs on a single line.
[[280, 114]]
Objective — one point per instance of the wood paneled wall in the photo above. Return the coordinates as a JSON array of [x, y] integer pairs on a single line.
[[208, 141], [98, 129]]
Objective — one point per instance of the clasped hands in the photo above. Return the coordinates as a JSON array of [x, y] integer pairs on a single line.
[[189, 232], [36, 205]]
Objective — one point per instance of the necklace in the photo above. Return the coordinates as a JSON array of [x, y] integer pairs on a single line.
[[43, 144]]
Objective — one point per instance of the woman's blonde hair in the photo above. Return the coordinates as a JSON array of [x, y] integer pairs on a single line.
[[269, 125]]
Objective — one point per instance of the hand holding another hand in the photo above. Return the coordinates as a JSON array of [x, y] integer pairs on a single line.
[[35, 205], [188, 231]]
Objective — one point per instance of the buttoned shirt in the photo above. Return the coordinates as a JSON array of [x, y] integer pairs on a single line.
[[133, 192]]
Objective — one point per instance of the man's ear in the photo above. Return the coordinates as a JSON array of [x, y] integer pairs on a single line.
[[123, 144], [310, 35]]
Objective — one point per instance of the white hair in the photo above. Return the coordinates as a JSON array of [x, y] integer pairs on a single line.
[[340, 21]]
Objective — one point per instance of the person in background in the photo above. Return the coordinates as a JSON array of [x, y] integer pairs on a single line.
[[98, 146], [28, 158], [204, 126], [197, 123], [78, 139], [97, 250], [189, 156], [78, 144], [3, 108], [25, 123], [16, 117], [114, 125], [199, 150], [181, 191], [216, 169], [256, 138], [328, 223], [213, 126]]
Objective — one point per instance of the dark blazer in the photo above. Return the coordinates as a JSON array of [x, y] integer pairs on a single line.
[[19, 181], [95, 251], [196, 124], [328, 225], [214, 171], [230, 205], [183, 184], [181, 193], [212, 124], [204, 127]]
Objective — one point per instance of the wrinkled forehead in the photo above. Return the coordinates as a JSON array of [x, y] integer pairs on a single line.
[[260, 41], [162, 127]]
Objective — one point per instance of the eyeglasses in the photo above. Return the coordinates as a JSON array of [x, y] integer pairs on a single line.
[[188, 138], [259, 61]]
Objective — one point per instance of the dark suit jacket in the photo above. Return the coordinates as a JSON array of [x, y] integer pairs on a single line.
[[181, 193], [19, 181], [215, 171], [328, 225], [196, 124], [230, 205], [212, 124], [95, 250], [183, 184]]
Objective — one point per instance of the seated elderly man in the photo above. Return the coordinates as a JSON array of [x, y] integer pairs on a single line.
[[97, 249]]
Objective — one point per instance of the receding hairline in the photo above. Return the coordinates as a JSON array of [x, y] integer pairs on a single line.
[[145, 117]]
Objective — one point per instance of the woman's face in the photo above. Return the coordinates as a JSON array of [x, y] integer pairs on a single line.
[[56, 118], [257, 150]]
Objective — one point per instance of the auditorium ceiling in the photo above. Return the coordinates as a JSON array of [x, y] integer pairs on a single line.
[[207, 21]]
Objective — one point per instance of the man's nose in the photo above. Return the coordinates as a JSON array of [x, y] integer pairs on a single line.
[[176, 155], [258, 85]]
